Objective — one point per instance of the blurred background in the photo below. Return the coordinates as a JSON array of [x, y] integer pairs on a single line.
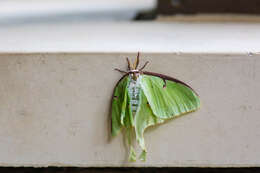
[[14, 12], [65, 11]]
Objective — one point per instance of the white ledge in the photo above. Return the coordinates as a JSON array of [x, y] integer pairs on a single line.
[[131, 37]]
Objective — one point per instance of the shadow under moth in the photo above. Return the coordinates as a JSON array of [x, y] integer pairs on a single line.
[[142, 99]]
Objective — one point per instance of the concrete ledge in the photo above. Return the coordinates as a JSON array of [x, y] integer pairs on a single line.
[[54, 110]]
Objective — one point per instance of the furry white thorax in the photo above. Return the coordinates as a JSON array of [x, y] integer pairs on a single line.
[[134, 92]]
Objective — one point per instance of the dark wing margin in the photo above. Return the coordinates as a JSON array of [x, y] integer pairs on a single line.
[[165, 77], [120, 80]]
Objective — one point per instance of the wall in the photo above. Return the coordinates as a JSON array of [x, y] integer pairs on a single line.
[[54, 110]]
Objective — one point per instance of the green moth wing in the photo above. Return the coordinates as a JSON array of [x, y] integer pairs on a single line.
[[144, 118], [122, 114], [161, 99], [119, 104], [168, 98]]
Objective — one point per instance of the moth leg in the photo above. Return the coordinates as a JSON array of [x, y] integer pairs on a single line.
[[121, 71], [144, 66], [129, 64], [137, 61]]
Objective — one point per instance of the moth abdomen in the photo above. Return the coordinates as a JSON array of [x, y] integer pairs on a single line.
[[134, 93]]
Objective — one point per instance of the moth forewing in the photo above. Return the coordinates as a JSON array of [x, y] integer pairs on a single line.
[[166, 102], [118, 105]]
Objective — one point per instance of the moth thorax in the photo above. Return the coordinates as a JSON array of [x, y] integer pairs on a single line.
[[134, 92], [134, 76]]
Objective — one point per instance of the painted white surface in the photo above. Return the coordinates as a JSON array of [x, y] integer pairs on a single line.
[[54, 111], [131, 37]]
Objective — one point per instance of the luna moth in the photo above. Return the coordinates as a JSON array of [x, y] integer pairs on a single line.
[[142, 99]]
